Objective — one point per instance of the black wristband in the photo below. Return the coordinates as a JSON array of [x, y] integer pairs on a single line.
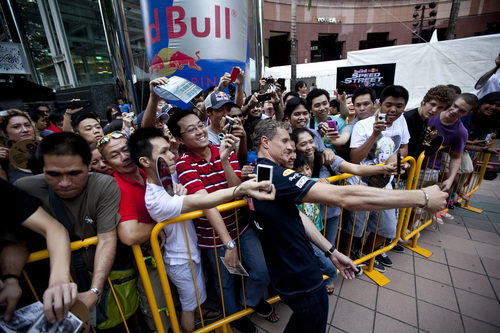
[[330, 252], [9, 276]]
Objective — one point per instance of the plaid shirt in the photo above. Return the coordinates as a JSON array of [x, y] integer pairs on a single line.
[[197, 174]]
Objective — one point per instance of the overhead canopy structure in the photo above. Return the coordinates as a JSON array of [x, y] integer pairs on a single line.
[[325, 73], [419, 67]]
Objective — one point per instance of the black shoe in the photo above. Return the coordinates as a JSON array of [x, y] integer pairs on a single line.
[[384, 259], [378, 266], [244, 325], [398, 248]]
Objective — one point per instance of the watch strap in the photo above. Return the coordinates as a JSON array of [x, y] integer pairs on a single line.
[[330, 252], [97, 292]]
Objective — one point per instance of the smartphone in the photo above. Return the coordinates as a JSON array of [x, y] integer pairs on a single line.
[[263, 97], [231, 122], [72, 104], [265, 172], [332, 124], [234, 73]]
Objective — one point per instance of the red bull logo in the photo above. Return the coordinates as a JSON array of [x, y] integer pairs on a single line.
[[179, 60], [177, 27], [175, 60]]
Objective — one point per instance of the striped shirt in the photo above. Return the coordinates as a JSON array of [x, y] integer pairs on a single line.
[[196, 174]]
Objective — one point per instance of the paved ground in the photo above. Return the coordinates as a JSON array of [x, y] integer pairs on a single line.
[[456, 290]]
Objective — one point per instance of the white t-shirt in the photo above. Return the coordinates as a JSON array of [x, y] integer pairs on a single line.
[[492, 85], [387, 144], [162, 206]]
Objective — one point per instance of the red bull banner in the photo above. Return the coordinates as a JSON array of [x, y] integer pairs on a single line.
[[198, 40]]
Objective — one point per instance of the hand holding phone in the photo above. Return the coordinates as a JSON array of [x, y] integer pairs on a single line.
[[265, 172], [332, 124], [234, 73]]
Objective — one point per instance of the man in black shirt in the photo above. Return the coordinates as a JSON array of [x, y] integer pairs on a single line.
[[436, 100], [20, 209], [286, 236]]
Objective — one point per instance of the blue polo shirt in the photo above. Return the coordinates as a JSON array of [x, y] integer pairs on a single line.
[[289, 256]]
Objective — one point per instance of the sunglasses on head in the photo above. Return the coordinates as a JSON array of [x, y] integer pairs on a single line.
[[105, 139]]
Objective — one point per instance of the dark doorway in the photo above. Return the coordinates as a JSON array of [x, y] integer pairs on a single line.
[[326, 48], [279, 49], [376, 39]]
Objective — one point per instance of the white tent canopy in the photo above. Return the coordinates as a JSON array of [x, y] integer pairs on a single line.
[[325, 73], [419, 67]]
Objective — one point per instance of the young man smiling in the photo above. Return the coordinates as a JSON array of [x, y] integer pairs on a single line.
[[454, 133], [203, 169], [375, 141], [318, 101], [435, 101]]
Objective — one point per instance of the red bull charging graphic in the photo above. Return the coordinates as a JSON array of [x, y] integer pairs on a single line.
[[198, 40]]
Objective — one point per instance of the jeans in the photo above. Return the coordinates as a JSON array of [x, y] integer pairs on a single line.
[[257, 281], [310, 312], [325, 264], [386, 227], [332, 228]]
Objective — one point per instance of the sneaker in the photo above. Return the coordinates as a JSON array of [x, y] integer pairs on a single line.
[[244, 325], [378, 266], [444, 214], [437, 217], [384, 259], [398, 248]]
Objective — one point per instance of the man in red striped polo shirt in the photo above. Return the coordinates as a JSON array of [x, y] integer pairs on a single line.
[[204, 168]]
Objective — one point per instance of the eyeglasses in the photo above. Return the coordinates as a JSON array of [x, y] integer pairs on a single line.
[[105, 139], [192, 129]]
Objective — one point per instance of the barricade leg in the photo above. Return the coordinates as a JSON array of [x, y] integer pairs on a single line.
[[482, 164], [141, 266]]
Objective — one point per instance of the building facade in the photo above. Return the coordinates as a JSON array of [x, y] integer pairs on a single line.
[[330, 29], [69, 45]]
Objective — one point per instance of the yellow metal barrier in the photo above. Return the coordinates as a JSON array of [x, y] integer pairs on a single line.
[[223, 324], [413, 222], [369, 259], [44, 254], [471, 185]]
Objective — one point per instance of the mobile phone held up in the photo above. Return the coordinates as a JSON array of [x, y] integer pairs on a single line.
[[263, 97], [332, 124], [265, 172], [382, 117], [231, 122], [234, 73]]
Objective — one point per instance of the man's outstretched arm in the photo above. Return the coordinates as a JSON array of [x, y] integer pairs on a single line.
[[360, 197]]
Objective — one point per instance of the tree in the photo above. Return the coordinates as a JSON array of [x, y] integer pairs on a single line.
[[450, 32], [293, 46]]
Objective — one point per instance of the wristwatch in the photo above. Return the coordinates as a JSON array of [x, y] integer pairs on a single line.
[[330, 252], [230, 245], [96, 291]]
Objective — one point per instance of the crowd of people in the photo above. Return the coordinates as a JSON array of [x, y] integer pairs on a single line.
[[103, 181]]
